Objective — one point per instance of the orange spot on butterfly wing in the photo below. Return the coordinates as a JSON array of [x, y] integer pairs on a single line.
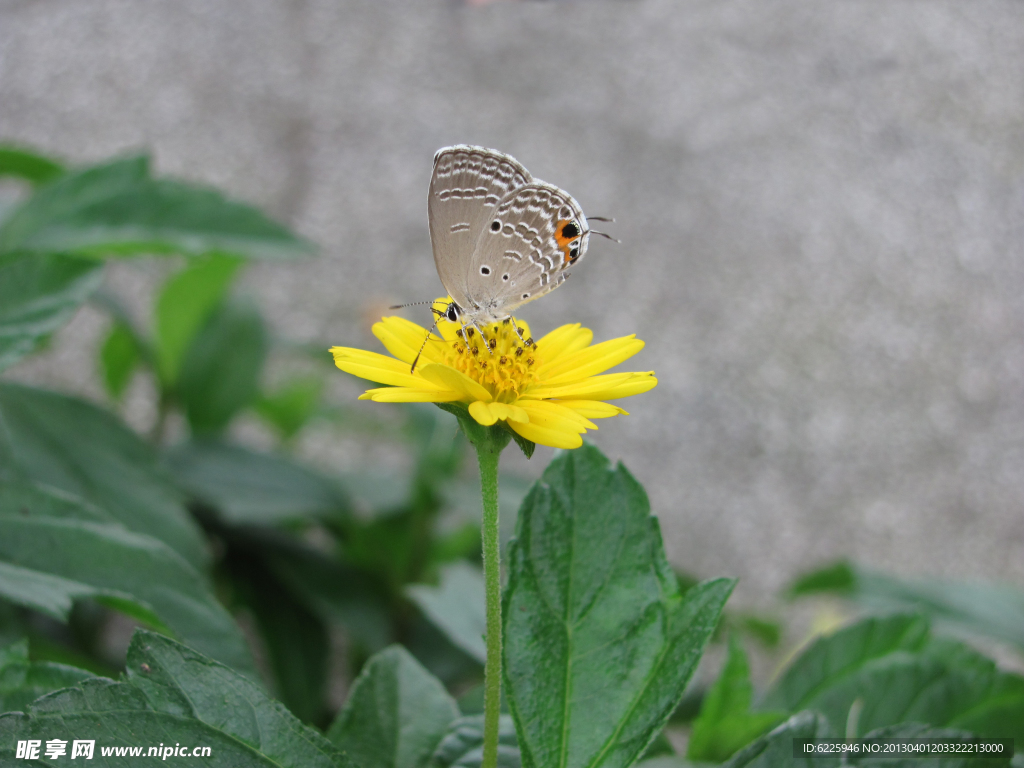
[[565, 232]]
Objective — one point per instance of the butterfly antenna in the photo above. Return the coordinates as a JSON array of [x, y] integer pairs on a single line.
[[425, 340], [599, 218], [603, 234], [413, 304]]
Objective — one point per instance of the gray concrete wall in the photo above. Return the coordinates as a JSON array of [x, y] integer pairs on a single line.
[[821, 207]]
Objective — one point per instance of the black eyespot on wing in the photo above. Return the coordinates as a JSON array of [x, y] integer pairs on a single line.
[[495, 226], [505, 277], [570, 230], [573, 255], [526, 295], [485, 270]]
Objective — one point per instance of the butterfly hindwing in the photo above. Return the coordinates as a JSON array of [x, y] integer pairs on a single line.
[[531, 237]]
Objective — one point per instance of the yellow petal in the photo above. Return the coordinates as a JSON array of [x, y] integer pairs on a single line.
[[591, 361], [593, 409], [449, 378], [545, 413], [607, 387], [510, 412], [376, 367], [403, 339], [482, 413], [563, 340], [408, 395], [554, 437], [488, 413]]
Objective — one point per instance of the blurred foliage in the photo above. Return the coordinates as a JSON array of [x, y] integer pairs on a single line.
[[372, 574]]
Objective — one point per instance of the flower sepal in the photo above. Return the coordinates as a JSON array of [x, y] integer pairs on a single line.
[[491, 438]]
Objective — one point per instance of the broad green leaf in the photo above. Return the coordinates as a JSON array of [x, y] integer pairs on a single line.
[[246, 487], [38, 219], [186, 302], [843, 655], [79, 448], [221, 370], [25, 164], [290, 407], [726, 723], [116, 208], [934, 680], [172, 695], [38, 294], [993, 610], [119, 356], [463, 744], [295, 640], [54, 596], [775, 749], [395, 715], [456, 606], [23, 681], [41, 538], [599, 642]]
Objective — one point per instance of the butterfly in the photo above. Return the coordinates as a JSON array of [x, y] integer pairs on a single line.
[[500, 237]]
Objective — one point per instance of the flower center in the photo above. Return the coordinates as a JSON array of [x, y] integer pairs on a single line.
[[501, 361]]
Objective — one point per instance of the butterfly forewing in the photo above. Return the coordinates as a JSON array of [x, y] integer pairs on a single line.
[[467, 184], [533, 235]]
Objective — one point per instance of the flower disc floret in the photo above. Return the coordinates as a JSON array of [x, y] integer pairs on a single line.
[[547, 390]]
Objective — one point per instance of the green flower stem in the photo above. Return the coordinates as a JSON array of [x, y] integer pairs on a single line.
[[489, 443], [492, 583]]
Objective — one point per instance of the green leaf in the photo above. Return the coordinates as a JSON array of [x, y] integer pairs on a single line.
[[289, 408], [396, 714], [172, 695], [247, 487], [53, 552], [23, 681], [726, 723], [40, 216], [776, 748], [116, 208], [221, 371], [599, 642], [901, 674], [463, 744], [456, 607], [73, 445], [119, 356], [843, 654], [39, 293], [24, 164], [989, 609], [186, 302]]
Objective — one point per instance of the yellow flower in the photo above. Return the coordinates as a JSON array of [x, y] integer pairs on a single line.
[[546, 390]]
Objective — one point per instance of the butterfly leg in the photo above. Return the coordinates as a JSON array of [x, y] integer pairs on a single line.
[[518, 332]]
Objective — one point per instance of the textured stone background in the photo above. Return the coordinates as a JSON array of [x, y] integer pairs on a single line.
[[821, 207]]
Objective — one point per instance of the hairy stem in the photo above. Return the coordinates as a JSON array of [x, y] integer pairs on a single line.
[[488, 458]]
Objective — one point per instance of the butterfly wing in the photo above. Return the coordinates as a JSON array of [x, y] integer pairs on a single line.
[[531, 237], [467, 184]]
